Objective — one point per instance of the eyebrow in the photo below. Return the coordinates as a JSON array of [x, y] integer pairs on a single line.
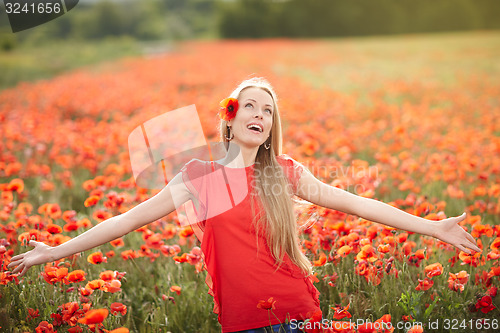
[[250, 99]]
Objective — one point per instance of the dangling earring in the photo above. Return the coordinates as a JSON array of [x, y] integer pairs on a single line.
[[229, 131], [267, 146]]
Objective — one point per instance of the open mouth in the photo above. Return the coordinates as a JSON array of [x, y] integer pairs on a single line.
[[256, 128]]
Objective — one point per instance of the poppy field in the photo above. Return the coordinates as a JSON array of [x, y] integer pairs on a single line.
[[409, 120]]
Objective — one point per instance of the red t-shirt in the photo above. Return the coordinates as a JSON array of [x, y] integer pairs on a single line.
[[240, 274]]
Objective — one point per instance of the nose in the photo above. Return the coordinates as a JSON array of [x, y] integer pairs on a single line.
[[258, 114]]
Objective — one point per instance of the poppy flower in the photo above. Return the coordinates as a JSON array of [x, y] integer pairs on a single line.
[[434, 269], [54, 229], [96, 258], [228, 108], [321, 261], [95, 284], [107, 275], [120, 330], [85, 291], [267, 305], [384, 248], [118, 308], [416, 329], [176, 289], [344, 250], [341, 312], [45, 327], [456, 281], [117, 242], [32, 313], [424, 284], [76, 276], [186, 232], [112, 286], [53, 274], [484, 304], [96, 316]]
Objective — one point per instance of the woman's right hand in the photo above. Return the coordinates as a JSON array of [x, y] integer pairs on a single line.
[[39, 255]]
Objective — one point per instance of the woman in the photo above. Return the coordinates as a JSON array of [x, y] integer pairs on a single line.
[[257, 272]]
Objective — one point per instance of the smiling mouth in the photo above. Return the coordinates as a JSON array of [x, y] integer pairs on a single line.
[[255, 128]]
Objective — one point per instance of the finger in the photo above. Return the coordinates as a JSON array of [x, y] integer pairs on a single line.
[[16, 259], [12, 264], [33, 242], [18, 268], [463, 249], [19, 256], [461, 217], [24, 271], [475, 248], [469, 237]]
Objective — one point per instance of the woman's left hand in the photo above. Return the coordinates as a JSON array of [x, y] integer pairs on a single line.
[[449, 231]]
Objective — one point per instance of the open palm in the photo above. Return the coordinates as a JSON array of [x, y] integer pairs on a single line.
[[39, 255], [449, 231]]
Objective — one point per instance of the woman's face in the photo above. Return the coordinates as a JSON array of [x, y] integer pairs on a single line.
[[253, 121]]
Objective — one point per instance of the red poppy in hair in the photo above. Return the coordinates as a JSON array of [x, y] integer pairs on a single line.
[[228, 108]]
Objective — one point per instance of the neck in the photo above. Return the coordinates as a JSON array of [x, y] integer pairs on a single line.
[[240, 156]]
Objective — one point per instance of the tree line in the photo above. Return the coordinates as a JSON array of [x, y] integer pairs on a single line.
[[188, 19], [327, 18]]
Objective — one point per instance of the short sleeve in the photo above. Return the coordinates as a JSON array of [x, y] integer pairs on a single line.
[[292, 169], [190, 171], [193, 174]]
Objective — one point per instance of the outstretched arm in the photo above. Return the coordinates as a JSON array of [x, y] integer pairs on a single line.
[[162, 204], [447, 230]]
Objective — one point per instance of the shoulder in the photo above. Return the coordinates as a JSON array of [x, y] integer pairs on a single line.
[[196, 163], [286, 161], [284, 158], [196, 168]]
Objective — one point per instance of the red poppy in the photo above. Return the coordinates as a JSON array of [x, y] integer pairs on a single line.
[[117, 242], [107, 275], [91, 201], [484, 304], [112, 286], [16, 184], [96, 316], [343, 251], [118, 307], [53, 274], [96, 258], [45, 327], [95, 284], [321, 261], [266, 305], [228, 108], [341, 312], [76, 276], [434, 269], [416, 329], [384, 248], [120, 330], [54, 229], [176, 289], [424, 284], [32, 313]]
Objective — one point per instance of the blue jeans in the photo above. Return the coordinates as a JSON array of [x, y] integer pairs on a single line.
[[278, 328]]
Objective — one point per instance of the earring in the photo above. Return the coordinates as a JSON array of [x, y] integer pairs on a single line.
[[229, 131], [267, 146]]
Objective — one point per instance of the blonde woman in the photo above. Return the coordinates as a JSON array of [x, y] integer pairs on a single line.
[[243, 206]]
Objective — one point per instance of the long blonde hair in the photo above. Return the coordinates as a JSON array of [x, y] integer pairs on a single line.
[[277, 225]]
